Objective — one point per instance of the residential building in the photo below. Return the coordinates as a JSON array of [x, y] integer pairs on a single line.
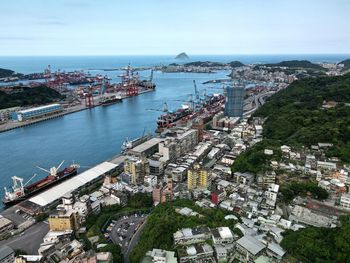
[[64, 220], [136, 168], [6, 226], [159, 256], [162, 194], [187, 236], [7, 254], [198, 177], [249, 248], [345, 201], [222, 235], [196, 253]]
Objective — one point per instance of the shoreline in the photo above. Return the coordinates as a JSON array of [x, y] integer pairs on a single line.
[[15, 125]]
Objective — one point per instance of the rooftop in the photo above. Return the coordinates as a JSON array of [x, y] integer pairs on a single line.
[[146, 145], [5, 251], [40, 108], [251, 244], [70, 185]]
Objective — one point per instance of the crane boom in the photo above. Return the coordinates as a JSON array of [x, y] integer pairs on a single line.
[[30, 179]]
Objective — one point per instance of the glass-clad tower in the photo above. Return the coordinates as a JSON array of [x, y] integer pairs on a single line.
[[234, 101]]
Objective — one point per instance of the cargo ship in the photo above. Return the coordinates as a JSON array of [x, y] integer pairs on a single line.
[[111, 99], [20, 191], [127, 144], [206, 108]]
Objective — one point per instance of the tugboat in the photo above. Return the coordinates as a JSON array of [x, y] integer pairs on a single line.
[[20, 191]]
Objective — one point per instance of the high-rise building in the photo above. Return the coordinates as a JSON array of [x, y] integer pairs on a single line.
[[137, 168], [198, 177], [234, 101]]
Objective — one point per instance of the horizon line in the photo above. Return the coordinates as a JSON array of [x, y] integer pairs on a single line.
[[213, 54]]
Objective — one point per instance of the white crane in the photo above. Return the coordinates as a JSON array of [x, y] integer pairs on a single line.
[[53, 170]]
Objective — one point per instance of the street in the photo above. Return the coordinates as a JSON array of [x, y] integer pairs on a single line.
[[29, 240], [126, 233]]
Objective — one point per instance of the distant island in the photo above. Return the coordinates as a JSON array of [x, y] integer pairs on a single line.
[[182, 56]]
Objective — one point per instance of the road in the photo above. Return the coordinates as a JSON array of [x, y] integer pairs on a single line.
[[29, 240], [129, 229]]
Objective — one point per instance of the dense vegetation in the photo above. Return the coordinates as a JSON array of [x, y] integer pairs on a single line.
[[319, 245], [295, 115], [163, 222], [204, 64], [4, 73], [29, 96], [290, 191], [302, 64], [255, 160], [236, 64], [97, 223], [346, 64]]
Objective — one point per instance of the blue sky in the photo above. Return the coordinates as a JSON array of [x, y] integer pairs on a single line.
[[114, 27]]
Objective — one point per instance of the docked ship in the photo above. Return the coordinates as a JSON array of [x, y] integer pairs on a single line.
[[129, 144], [110, 99], [205, 109], [20, 191], [169, 119]]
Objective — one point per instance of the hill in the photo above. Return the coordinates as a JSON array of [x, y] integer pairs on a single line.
[[182, 55], [27, 96], [4, 73], [346, 64], [204, 64], [236, 64], [314, 244], [164, 221], [295, 117], [302, 64]]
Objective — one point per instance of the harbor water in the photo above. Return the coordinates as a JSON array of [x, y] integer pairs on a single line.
[[91, 136]]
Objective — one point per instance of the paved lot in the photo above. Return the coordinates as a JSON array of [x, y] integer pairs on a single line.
[[13, 216], [126, 233], [29, 240]]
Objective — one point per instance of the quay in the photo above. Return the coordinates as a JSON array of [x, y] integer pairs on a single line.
[[11, 125]]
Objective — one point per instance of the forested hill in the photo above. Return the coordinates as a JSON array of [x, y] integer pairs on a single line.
[[295, 116], [29, 96], [4, 73], [296, 64], [346, 64]]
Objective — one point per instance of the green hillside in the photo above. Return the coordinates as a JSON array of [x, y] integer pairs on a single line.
[[4, 73], [346, 64], [295, 117], [29, 96], [296, 64]]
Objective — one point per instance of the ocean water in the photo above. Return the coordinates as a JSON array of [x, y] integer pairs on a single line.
[[92, 136]]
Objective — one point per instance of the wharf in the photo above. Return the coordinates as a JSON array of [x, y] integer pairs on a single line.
[[11, 125], [14, 125]]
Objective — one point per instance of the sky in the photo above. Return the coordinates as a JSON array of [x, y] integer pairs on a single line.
[[149, 27]]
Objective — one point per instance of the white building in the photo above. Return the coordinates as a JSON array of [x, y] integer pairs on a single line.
[[222, 235], [345, 201]]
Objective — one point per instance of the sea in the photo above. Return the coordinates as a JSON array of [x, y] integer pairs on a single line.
[[92, 136]]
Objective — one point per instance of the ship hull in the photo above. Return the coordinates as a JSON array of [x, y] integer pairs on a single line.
[[27, 195]]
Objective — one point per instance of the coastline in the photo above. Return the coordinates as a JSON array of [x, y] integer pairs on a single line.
[[15, 125]]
